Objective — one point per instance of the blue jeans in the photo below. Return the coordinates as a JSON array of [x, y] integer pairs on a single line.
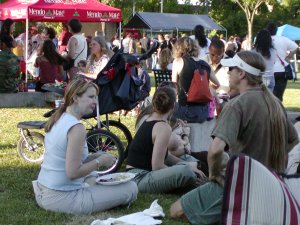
[[280, 85], [269, 81], [191, 113]]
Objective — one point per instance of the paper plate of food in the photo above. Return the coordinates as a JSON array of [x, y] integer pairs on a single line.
[[115, 178]]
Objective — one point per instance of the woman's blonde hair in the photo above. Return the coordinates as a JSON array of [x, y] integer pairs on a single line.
[[277, 114], [165, 58], [186, 46], [76, 87], [104, 49]]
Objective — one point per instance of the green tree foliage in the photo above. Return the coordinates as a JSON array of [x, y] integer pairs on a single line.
[[251, 8], [127, 6], [230, 15]]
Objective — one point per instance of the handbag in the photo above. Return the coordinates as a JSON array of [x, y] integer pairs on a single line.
[[69, 63], [288, 71], [199, 91]]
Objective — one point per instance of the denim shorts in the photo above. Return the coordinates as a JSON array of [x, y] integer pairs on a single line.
[[191, 113], [269, 81]]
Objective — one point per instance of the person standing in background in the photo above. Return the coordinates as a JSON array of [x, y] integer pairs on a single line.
[[77, 46], [263, 45], [128, 44], [115, 43], [8, 28], [186, 58], [213, 58], [145, 44], [246, 44], [35, 38], [63, 38], [202, 41], [285, 50], [47, 34]]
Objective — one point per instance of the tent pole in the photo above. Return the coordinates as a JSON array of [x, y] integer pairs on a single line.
[[295, 63], [26, 49], [120, 35]]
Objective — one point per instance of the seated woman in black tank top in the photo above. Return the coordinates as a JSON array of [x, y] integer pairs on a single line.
[[148, 157]]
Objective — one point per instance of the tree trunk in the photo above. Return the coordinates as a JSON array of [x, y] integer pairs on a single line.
[[250, 24]]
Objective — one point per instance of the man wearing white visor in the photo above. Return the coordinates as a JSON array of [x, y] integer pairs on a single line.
[[254, 123]]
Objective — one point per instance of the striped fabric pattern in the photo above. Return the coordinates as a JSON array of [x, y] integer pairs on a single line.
[[255, 195]]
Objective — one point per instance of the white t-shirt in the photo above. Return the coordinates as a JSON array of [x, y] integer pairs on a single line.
[[270, 62], [222, 75], [203, 51], [282, 46], [81, 48]]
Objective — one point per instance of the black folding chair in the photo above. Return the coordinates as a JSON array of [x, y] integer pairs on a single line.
[[161, 76]]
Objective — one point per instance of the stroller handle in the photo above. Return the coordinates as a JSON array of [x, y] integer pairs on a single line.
[[136, 58]]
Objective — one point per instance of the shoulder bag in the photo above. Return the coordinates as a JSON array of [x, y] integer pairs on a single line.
[[69, 63], [288, 71]]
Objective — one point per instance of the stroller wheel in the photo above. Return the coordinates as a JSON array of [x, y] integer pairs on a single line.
[[121, 131], [105, 141]]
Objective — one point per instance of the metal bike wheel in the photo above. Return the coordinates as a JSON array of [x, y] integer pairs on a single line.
[[32, 152], [105, 141], [121, 131]]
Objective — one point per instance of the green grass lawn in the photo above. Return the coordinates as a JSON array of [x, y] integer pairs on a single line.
[[17, 203], [291, 98]]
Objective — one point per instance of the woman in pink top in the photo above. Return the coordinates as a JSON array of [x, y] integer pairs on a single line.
[[49, 64]]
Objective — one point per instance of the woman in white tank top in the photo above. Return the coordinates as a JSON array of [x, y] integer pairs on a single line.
[[77, 46]]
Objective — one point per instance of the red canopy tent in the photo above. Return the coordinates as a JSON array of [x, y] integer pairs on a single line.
[[58, 11]]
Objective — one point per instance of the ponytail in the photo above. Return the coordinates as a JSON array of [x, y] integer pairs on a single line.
[[55, 117], [278, 121]]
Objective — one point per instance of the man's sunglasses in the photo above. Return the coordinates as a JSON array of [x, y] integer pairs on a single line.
[[231, 68]]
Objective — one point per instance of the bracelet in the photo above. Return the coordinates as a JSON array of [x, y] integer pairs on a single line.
[[98, 163]]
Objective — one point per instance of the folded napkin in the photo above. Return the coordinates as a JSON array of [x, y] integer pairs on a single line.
[[155, 210], [139, 218]]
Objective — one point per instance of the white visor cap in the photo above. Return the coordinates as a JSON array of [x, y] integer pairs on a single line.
[[236, 61]]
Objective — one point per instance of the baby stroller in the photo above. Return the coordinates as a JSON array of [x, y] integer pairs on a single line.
[[119, 86]]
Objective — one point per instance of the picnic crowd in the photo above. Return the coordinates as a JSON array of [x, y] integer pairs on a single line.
[[246, 86]]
